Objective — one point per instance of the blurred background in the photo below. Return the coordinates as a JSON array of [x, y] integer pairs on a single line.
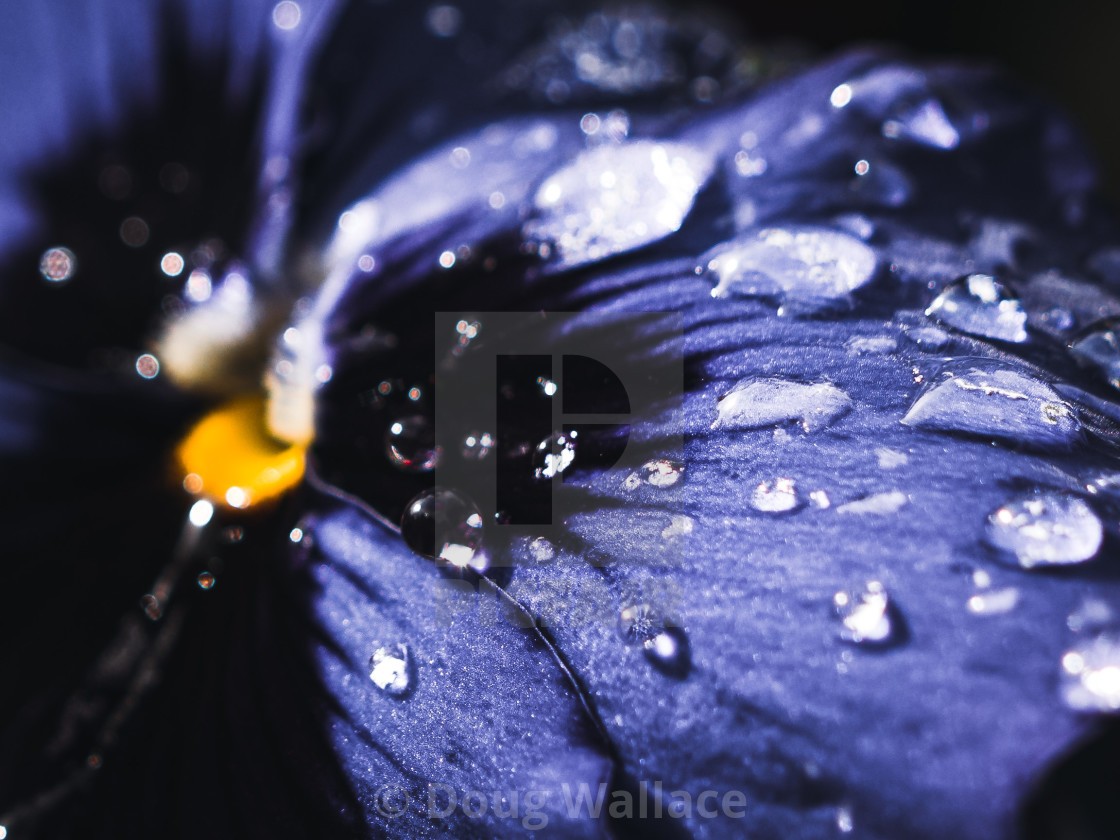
[[1067, 52]]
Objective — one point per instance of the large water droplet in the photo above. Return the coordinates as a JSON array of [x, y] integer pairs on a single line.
[[1091, 675], [443, 524], [868, 617], [981, 305], [411, 444], [614, 199], [798, 263], [389, 668], [1099, 348], [992, 401], [1050, 529], [778, 496], [757, 403], [554, 454]]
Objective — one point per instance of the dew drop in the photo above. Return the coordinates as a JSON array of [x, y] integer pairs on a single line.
[[554, 454], [411, 444], [930, 339], [668, 651], [890, 501], [1099, 349], [994, 602], [206, 580], [1091, 675], [797, 263], [998, 402], [616, 198], [867, 617], [659, 472], [389, 669], [57, 265], [778, 496], [443, 524], [757, 403], [979, 304], [1049, 529]]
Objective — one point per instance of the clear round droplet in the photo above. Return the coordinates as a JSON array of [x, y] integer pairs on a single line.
[[867, 616], [389, 669], [668, 651], [797, 263], [757, 403], [554, 454], [206, 580], [1049, 529], [1099, 349], [1091, 675], [443, 524], [411, 444], [777, 496], [981, 305]]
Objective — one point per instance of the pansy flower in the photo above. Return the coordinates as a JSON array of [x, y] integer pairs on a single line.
[[484, 419]]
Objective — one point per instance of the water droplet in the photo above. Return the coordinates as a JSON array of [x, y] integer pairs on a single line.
[[797, 263], [657, 473], [172, 264], [554, 454], [980, 305], [411, 444], [844, 822], [992, 401], [206, 580], [994, 602], [930, 339], [871, 344], [58, 265], [757, 403], [668, 651], [1099, 348], [820, 499], [876, 504], [868, 617], [1091, 675], [779, 496], [1049, 529], [443, 524], [477, 446], [616, 198], [389, 668]]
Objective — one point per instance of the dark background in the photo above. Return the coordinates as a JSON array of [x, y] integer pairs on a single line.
[[1068, 52]]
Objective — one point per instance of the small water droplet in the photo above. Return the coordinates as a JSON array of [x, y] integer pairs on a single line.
[[147, 366], [616, 198], [757, 403], [1049, 529], [286, 15], [980, 305], [868, 617], [554, 454], [389, 669], [668, 651], [878, 503], [58, 265], [994, 401], [871, 344], [1099, 348], [778, 496], [994, 602], [1091, 675], [443, 524], [657, 473], [206, 580], [411, 444], [798, 263], [541, 550], [930, 339]]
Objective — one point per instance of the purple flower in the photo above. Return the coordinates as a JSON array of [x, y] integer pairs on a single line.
[[837, 556]]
